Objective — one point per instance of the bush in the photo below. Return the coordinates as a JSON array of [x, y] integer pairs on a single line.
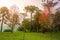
[[8, 30], [20, 29]]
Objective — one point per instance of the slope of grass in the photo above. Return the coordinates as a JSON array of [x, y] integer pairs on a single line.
[[29, 36]]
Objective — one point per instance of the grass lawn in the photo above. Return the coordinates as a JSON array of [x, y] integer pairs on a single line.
[[29, 36]]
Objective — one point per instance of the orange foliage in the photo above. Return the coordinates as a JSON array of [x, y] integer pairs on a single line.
[[44, 14]]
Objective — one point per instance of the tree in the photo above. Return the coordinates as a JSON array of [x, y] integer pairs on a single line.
[[3, 11], [26, 24], [56, 22], [35, 25], [32, 10], [46, 18], [14, 20], [50, 4], [24, 17], [36, 18]]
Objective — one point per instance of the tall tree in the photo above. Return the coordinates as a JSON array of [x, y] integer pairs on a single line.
[[14, 19], [3, 11], [31, 9], [36, 18]]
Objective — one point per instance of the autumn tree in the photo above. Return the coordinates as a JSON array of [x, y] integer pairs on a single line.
[[46, 18]]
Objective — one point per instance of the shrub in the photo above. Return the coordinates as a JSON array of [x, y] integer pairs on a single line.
[[20, 29], [8, 30]]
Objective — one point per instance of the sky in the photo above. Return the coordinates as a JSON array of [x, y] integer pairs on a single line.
[[20, 3]]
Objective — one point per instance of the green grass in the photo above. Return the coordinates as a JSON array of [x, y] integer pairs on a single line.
[[29, 36]]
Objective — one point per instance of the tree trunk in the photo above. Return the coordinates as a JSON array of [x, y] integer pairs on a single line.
[[31, 21], [12, 28], [2, 25], [37, 28]]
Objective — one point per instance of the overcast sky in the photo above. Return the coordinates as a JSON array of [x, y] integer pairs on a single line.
[[20, 3]]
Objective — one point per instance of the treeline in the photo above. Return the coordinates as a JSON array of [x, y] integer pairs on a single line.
[[41, 22], [49, 24], [38, 22]]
